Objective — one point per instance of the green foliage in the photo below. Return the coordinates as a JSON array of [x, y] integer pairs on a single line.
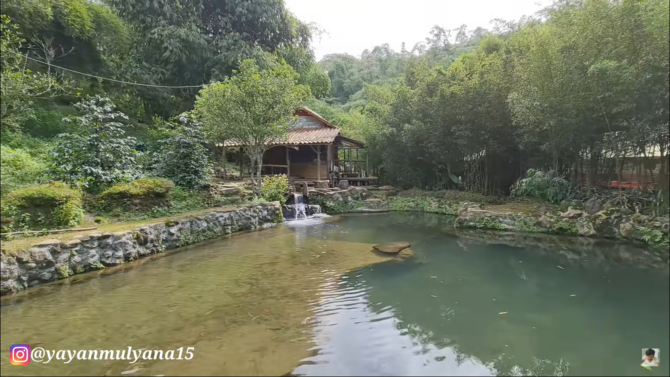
[[53, 205], [654, 237], [191, 42], [546, 186], [101, 154], [451, 196], [275, 188], [20, 86], [566, 227], [423, 204], [337, 207], [182, 156], [579, 91], [19, 168], [141, 188], [317, 80], [254, 107], [130, 200]]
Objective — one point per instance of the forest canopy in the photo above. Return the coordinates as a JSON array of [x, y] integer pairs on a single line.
[[580, 89]]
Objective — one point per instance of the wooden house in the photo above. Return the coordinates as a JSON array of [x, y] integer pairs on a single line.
[[311, 149]]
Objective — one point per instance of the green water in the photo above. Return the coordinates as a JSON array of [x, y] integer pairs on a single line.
[[275, 302]]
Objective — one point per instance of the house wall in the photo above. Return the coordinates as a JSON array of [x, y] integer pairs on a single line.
[[303, 162], [308, 171]]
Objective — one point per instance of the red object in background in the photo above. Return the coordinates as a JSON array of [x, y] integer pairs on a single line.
[[624, 185]]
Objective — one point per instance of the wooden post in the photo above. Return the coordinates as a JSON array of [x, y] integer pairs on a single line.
[[288, 165], [241, 157], [329, 158], [367, 163], [318, 162]]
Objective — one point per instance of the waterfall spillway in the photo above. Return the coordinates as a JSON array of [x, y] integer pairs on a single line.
[[300, 212], [297, 209]]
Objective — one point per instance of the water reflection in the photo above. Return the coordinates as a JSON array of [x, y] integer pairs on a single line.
[[355, 337], [311, 298]]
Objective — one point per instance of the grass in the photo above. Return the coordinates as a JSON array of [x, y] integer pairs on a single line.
[[13, 246]]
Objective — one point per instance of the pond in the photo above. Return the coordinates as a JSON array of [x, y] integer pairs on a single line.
[[310, 298]]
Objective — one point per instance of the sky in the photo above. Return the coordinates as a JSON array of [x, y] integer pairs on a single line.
[[355, 25]]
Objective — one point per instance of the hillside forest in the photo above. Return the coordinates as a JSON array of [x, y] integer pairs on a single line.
[[112, 96]]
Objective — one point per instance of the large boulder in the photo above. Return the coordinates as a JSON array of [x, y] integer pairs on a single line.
[[392, 248], [343, 184]]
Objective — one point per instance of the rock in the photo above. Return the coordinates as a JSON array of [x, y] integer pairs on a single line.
[[40, 255], [572, 213], [321, 184], [343, 184], [626, 229], [406, 253], [585, 228], [386, 188], [71, 243], [594, 205], [49, 242], [392, 248], [546, 221]]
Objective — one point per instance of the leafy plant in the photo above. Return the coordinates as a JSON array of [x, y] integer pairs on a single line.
[[18, 168], [653, 236], [101, 154], [275, 188], [546, 186], [182, 157], [49, 205]]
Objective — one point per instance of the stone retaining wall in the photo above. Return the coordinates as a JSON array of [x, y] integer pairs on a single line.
[[53, 259], [607, 223]]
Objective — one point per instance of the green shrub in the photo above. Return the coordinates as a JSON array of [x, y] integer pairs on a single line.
[[182, 155], [546, 186], [101, 153], [143, 193], [53, 205], [275, 188], [18, 168]]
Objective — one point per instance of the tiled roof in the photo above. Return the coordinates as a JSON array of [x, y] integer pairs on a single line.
[[301, 136], [305, 132]]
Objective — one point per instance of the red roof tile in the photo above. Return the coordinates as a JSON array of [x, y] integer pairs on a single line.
[[301, 136]]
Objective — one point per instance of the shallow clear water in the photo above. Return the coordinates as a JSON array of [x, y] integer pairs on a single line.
[[280, 301]]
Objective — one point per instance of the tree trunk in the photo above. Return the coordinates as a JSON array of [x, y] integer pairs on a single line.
[[223, 161], [259, 167]]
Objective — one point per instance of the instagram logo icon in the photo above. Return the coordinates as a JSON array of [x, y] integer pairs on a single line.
[[19, 354]]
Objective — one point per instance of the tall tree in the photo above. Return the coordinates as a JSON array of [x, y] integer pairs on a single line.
[[253, 107]]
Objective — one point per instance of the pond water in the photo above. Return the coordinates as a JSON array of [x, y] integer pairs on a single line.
[[310, 298]]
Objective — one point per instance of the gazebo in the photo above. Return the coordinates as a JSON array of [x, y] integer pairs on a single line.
[[312, 148]]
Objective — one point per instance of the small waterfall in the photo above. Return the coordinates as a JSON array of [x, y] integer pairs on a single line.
[[300, 212], [296, 209]]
